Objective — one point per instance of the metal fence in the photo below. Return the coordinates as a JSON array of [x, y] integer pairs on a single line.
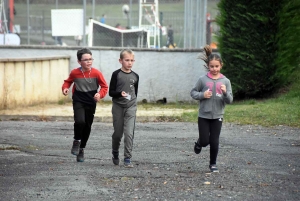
[[33, 22]]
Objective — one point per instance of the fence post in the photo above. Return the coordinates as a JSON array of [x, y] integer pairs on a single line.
[[84, 24], [28, 23]]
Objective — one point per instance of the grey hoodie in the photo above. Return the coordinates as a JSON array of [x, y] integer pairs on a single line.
[[213, 107]]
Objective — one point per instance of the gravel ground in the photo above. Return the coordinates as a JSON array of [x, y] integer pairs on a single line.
[[255, 163]]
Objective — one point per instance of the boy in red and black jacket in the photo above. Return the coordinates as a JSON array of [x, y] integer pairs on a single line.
[[86, 93]]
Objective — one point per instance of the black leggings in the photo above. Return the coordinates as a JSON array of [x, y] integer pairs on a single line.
[[209, 133], [83, 117]]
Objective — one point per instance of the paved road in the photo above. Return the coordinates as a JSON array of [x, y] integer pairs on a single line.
[[255, 163]]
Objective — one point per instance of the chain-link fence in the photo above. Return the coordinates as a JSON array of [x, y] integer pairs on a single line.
[[33, 19]]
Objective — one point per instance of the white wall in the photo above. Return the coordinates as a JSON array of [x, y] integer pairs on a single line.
[[163, 73]]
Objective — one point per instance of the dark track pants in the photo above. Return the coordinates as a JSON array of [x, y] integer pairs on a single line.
[[124, 123], [83, 117], [209, 133]]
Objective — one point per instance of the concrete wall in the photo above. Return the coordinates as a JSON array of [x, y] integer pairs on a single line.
[[28, 81], [163, 72]]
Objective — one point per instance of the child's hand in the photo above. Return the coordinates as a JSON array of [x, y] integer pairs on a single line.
[[223, 88], [207, 94], [65, 91], [97, 97], [124, 94]]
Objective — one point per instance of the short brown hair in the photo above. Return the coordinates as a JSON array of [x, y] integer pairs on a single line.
[[83, 51], [129, 51]]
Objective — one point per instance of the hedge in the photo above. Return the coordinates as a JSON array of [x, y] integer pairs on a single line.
[[248, 44]]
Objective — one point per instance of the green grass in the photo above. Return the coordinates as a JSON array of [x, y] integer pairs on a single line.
[[266, 113], [283, 109]]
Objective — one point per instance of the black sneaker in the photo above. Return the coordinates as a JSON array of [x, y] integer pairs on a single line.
[[80, 156], [213, 168], [115, 157], [127, 163], [197, 148], [75, 147]]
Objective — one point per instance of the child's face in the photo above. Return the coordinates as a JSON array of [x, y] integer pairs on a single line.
[[86, 61], [127, 62], [214, 67]]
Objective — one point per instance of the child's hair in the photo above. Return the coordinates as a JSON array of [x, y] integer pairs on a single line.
[[125, 51], [83, 51], [208, 56]]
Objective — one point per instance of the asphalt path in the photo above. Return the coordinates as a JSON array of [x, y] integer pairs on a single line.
[[255, 163]]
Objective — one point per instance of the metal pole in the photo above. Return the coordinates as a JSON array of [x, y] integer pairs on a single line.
[[2, 11], [43, 26], [192, 25], [56, 7], [130, 8], [28, 23], [6, 20], [204, 23], [140, 14], [161, 24], [185, 25], [157, 15], [93, 12], [84, 13], [197, 25]]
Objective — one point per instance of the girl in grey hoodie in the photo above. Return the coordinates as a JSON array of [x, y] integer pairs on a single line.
[[213, 90]]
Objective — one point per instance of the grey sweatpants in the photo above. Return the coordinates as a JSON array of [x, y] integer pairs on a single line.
[[124, 123]]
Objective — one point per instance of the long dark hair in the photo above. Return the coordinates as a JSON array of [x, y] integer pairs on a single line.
[[206, 55]]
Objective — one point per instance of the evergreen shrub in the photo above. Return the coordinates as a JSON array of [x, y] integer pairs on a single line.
[[248, 45], [288, 37]]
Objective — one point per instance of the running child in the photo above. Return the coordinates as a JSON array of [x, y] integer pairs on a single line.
[[87, 81], [123, 89], [213, 90]]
